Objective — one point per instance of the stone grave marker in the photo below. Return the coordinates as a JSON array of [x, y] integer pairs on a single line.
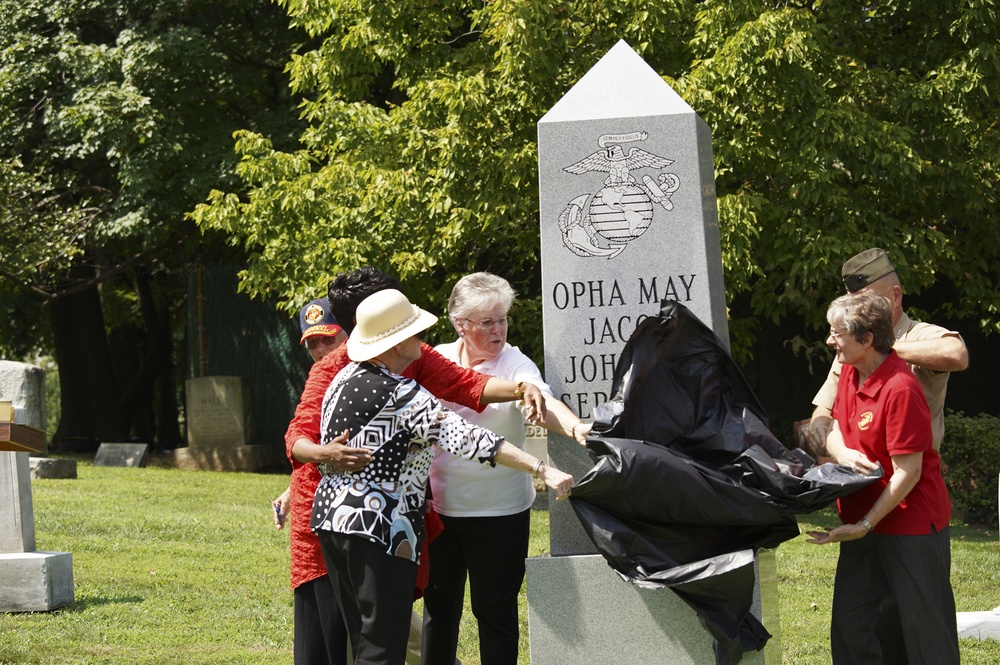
[[628, 218], [218, 411], [30, 581], [220, 428], [52, 467], [122, 454]]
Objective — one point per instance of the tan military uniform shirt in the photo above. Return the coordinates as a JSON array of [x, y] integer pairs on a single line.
[[934, 383]]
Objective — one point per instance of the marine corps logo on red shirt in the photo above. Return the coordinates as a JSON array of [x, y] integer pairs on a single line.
[[314, 314], [866, 419]]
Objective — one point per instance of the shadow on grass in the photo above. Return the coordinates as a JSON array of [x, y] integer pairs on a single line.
[[86, 603]]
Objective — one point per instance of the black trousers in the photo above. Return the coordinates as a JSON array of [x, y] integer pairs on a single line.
[[916, 570], [375, 593], [491, 550], [320, 635]]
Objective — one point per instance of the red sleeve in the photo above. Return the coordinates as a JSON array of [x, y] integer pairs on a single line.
[[305, 422], [445, 380]]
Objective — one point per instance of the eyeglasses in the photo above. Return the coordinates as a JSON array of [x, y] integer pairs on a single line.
[[837, 335], [325, 340], [487, 324]]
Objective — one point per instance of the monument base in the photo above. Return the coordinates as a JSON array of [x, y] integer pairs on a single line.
[[580, 611], [230, 458], [979, 625], [35, 581]]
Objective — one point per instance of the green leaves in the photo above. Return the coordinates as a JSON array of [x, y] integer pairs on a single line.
[[834, 128]]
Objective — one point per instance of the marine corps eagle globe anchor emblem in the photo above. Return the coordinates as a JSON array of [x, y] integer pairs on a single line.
[[602, 224]]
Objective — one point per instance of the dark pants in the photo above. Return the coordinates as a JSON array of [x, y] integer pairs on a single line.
[[375, 594], [916, 570], [492, 551], [320, 635]]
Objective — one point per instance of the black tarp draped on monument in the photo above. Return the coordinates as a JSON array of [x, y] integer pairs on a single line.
[[689, 481]]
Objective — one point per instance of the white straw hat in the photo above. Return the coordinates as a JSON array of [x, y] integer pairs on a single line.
[[384, 319]]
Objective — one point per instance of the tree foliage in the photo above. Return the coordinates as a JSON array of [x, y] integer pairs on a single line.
[[836, 127], [115, 119]]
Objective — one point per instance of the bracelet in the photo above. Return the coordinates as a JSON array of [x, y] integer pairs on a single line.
[[539, 465], [865, 523], [572, 432], [518, 392]]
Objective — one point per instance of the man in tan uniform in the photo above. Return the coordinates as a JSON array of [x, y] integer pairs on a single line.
[[932, 352]]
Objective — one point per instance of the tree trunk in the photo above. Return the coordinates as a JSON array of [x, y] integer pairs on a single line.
[[91, 406], [158, 365]]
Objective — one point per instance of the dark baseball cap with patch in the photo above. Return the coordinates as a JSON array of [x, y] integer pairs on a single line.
[[862, 269], [315, 319]]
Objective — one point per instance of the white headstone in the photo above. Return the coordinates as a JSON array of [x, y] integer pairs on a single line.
[[628, 218]]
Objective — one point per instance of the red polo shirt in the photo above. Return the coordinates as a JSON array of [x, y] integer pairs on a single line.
[[888, 416]]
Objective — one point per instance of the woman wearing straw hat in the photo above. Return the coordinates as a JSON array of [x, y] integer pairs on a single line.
[[370, 522]]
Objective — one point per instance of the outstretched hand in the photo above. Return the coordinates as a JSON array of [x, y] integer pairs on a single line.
[[534, 402], [837, 535]]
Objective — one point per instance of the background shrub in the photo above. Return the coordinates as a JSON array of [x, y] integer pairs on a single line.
[[971, 456]]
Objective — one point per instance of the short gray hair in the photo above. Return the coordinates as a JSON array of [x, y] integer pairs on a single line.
[[864, 313], [479, 290]]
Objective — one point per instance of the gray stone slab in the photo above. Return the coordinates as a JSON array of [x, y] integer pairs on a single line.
[[218, 411], [566, 534], [52, 467], [132, 455], [628, 217], [581, 612], [979, 625], [35, 581], [17, 517], [24, 386]]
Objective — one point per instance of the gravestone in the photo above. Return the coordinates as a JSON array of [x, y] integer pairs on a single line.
[[30, 581], [52, 467], [218, 411], [122, 454], [628, 218], [220, 428]]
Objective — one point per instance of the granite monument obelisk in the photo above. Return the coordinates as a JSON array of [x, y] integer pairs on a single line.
[[628, 218]]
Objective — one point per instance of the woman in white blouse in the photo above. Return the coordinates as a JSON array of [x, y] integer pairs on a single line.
[[486, 513]]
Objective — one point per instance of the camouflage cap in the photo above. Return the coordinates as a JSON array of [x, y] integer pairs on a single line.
[[862, 269]]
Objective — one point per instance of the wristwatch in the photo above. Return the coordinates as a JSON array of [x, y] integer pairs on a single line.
[[518, 392]]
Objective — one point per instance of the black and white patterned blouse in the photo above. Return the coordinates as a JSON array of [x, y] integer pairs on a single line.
[[397, 421]]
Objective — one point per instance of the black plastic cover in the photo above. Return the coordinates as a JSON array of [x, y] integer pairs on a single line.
[[689, 481]]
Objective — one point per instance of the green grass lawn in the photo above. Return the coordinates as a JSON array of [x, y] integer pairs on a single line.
[[186, 567]]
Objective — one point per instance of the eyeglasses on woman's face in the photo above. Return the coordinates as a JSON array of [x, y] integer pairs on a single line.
[[834, 335], [488, 324]]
